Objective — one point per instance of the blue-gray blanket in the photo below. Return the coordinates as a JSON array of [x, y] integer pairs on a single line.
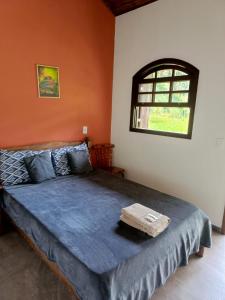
[[74, 220]]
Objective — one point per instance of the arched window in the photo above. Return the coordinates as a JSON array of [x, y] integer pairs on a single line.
[[163, 98]]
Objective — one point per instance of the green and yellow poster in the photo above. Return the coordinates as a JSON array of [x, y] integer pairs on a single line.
[[48, 81]]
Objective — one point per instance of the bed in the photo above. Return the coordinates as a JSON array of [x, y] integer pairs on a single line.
[[72, 222]]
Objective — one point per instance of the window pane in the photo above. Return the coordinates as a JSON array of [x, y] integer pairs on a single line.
[[179, 73], [161, 97], [181, 85], [162, 86], [150, 76], [164, 73], [168, 119], [180, 97], [145, 98], [145, 87], [141, 117]]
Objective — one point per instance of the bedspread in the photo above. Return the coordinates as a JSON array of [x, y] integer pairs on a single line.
[[74, 220]]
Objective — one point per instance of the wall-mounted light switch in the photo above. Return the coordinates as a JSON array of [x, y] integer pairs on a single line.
[[85, 129], [220, 142]]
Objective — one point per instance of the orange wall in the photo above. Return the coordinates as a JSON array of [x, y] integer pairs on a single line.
[[77, 36]]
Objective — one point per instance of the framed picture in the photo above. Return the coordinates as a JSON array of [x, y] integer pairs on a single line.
[[48, 81]]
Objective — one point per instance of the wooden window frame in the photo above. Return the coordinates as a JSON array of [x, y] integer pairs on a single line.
[[162, 64]]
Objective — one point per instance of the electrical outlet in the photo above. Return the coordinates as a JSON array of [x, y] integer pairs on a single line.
[[85, 129]]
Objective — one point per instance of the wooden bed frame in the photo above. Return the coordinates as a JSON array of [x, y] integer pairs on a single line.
[[5, 221]]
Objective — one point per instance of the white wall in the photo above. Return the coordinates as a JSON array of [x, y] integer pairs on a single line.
[[193, 31]]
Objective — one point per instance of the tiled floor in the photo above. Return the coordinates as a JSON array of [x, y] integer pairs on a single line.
[[24, 277]]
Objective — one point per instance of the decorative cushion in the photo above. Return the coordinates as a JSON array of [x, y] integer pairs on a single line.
[[60, 159], [12, 166], [79, 162], [40, 167]]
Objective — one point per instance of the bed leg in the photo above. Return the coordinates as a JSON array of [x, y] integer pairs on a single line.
[[2, 228], [4, 224], [200, 253]]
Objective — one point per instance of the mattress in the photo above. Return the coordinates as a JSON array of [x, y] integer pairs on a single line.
[[74, 221]]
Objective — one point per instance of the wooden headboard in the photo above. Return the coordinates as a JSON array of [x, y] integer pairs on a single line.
[[100, 154], [45, 146]]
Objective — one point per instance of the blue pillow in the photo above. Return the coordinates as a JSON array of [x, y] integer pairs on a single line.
[[60, 159], [79, 162], [12, 166], [40, 167]]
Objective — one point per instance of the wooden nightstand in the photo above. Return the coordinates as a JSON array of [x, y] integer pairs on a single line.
[[116, 171], [101, 157]]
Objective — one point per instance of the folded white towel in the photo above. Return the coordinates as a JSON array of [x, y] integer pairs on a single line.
[[144, 219]]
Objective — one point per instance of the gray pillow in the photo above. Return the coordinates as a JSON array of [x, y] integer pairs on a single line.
[[79, 162], [60, 159], [12, 166], [40, 167]]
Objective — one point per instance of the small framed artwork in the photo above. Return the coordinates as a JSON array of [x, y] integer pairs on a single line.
[[48, 81]]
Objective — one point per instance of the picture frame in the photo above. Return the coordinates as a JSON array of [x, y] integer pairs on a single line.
[[48, 81]]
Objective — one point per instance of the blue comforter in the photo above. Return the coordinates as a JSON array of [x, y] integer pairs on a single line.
[[74, 220]]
